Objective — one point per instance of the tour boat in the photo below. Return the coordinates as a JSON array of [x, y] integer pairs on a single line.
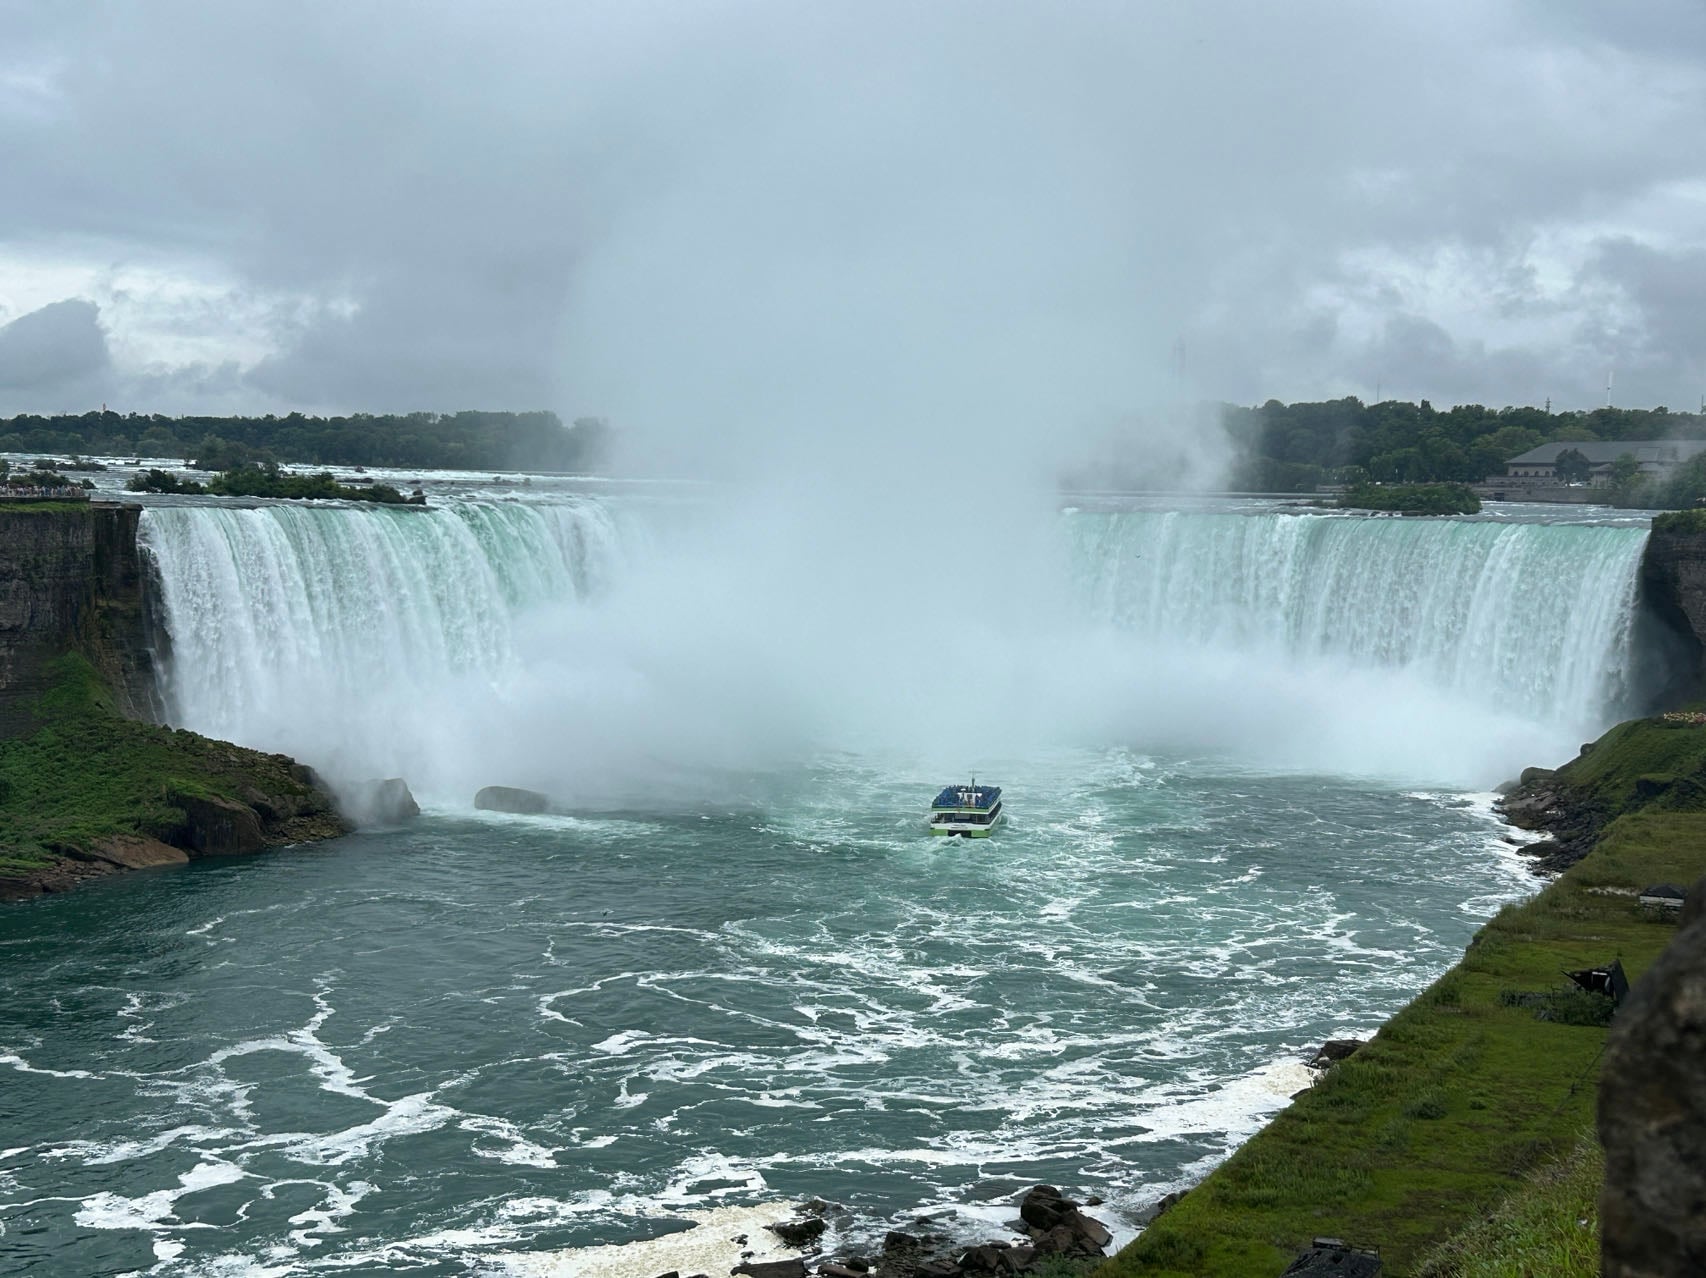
[[971, 811]]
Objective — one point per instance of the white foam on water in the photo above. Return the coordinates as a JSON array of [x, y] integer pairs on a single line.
[[155, 1211], [316, 1224], [520, 1152], [24, 1067], [95, 1153], [407, 1116], [710, 1246], [1236, 1109], [622, 1043]]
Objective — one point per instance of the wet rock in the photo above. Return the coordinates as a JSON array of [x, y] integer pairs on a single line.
[[1530, 809], [793, 1268], [217, 827], [797, 1233], [1058, 1227], [1043, 1207], [983, 1260], [503, 798], [912, 1255], [1092, 1231], [1554, 856], [1335, 1050], [1059, 1241], [831, 1270], [1166, 1204], [1652, 1116]]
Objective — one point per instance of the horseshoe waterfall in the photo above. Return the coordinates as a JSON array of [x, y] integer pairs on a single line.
[[1246, 755]]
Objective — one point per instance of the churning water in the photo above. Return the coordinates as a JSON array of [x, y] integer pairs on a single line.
[[1244, 753]]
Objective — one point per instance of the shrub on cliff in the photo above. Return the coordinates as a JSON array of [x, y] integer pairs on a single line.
[[1681, 521]]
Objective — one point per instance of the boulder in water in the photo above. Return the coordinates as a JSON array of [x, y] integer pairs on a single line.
[[1333, 1051], [379, 803], [503, 798], [797, 1233]]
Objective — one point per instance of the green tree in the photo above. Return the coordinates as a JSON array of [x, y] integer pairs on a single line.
[[1573, 466]]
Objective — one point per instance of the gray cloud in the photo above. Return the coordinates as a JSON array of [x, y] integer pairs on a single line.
[[53, 354], [722, 221]]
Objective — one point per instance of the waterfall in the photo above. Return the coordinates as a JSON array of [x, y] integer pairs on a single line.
[[335, 634], [559, 647], [1531, 618]]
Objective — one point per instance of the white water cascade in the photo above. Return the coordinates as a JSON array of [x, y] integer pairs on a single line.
[[339, 635], [480, 643], [1536, 618]]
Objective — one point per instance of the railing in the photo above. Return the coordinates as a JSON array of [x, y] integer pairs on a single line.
[[37, 492]]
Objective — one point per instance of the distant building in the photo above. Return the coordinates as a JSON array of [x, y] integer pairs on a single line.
[[1655, 457]]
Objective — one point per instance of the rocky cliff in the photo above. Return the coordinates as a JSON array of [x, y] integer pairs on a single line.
[[91, 783], [1673, 588], [71, 579]]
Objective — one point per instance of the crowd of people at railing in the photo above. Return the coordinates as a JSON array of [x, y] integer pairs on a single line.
[[40, 492]]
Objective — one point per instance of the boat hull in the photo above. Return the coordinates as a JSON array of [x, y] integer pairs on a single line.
[[967, 829]]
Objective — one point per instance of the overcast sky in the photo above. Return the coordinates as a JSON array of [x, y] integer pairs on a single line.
[[717, 212]]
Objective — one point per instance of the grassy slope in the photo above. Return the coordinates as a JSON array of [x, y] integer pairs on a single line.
[[1458, 1098], [87, 772], [42, 505], [1549, 1226]]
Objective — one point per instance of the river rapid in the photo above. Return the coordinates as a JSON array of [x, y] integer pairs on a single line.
[[1246, 753]]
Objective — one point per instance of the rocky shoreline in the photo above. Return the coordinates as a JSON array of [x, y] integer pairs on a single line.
[[211, 825], [1540, 801], [1050, 1228]]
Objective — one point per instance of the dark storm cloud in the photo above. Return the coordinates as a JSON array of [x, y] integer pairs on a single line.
[[718, 214], [51, 355]]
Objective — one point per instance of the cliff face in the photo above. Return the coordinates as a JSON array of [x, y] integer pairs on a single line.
[[71, 578], [1673, 586]]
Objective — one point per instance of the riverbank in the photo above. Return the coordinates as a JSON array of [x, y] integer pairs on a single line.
[[1467, 1104], [90, 793]]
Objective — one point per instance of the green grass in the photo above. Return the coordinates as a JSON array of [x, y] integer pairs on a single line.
[[1649, 764], [41, 505], [87, 773], [1452, 1110], [1549, 1226]]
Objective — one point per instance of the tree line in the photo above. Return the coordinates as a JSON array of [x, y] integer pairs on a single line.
[[1295, 447], [536, 441]]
